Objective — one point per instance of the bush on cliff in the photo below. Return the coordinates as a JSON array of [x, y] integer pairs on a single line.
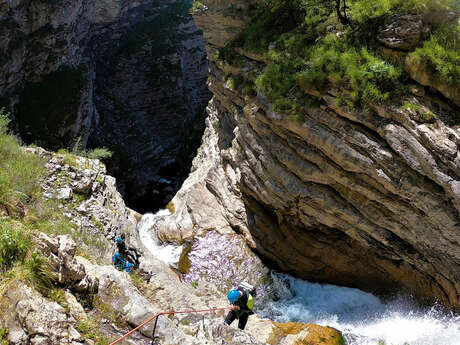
[[442, 53], [308, 45], [24, 212]]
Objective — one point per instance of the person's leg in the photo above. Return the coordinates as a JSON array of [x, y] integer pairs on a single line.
[[231, 316], [243, 320]]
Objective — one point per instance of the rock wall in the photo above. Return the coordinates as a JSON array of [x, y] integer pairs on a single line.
[[122, 74], [151, 92], [367, 198]]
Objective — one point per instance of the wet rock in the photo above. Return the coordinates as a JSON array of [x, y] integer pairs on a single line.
[[223, 260]]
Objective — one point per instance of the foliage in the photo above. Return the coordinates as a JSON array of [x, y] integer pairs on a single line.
[[279, 85], [369, 76], [14, 244], [23, 262], [19, 171], [138, 280], [425, 115], [39, 272], [309, 45], [48, 106], [362, 10], [58, 296], [90, 330], [196, 6], [100, 153], [3, 335], [442, 53]]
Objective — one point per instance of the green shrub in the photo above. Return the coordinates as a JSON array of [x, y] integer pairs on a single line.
[[14, 244], [100, 153], [19, 171], [58, 296], [369, 76], [425, 115], [90, 330], [196, 6], [39, 272], [442, 53], [278, 83], [361, 10], [4, 335]]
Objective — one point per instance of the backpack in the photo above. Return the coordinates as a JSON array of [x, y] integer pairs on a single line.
[[251, 290]]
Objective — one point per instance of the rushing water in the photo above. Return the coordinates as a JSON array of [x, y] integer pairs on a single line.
[[169, 253], [362, 317]]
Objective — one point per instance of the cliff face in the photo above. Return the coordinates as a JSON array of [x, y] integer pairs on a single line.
[[368, 198], [151, 89], [122, 74]]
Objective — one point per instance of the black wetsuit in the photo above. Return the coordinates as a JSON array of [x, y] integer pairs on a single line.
[[128, 254], [242, 314]]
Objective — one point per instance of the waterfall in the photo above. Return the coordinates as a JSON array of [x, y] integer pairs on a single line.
[[362, 317], [169, 253]]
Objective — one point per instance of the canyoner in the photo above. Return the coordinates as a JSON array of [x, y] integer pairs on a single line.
[[128, 254], [243, 298]]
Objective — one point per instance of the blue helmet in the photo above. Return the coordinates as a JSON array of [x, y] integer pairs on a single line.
[[233, 295], [118, 239]]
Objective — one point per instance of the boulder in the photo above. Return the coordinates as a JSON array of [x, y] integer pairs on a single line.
[[32, 319], [403, 32]]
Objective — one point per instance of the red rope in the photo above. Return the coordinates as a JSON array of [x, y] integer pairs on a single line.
[[169, 313]]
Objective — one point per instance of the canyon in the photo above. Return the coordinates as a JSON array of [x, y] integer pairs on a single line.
[[361, 195]]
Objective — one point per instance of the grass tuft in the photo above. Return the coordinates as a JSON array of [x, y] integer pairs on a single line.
[[441, 52]]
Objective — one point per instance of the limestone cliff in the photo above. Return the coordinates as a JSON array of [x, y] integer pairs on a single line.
[[363, 197], [122, 74]]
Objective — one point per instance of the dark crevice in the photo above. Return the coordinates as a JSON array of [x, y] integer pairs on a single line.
[[150, 94]]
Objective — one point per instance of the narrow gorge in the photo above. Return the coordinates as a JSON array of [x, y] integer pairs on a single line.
[[127, 76], [290, 144]]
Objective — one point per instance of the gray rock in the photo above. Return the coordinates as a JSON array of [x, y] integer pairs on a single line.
[[403, 32], [64, 194], [41, 321]]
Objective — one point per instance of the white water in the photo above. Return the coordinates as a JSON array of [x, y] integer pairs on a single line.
[[362, 317], [169, 253]]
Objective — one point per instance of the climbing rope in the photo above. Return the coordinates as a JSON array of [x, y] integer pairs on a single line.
[[168, 313]]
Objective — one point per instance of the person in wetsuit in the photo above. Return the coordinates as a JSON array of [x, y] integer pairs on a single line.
[[243, 299]]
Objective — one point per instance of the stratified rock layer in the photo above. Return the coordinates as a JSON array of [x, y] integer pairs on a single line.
[[363, 198]]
